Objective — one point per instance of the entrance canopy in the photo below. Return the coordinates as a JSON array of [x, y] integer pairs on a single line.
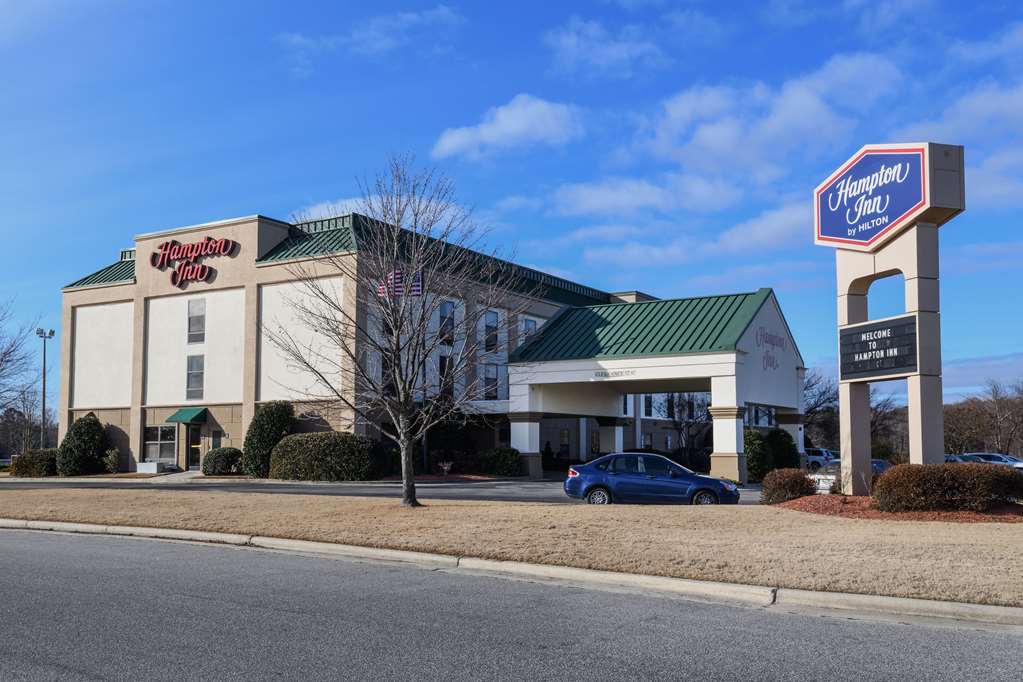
[[189, 415], [738, 347]]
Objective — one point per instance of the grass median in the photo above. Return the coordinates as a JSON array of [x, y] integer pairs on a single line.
[[974, 563]]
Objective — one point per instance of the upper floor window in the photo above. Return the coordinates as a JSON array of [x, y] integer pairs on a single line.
[[625, 405], [447, 322], [194, 377], [490, 382], [444, 378], [528, 328], [490, 339], [197, 320], [648, 405]]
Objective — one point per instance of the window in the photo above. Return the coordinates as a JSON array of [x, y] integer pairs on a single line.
[[667, 441], [629, 464], [625, 405], [759, 415], [528, 328], [160, 444], [194, 377], [444, 378], [386, 374], [490, 331], [648, 440], [447, 322], [648, 405], [594, 441], [216, 437], [490, 382], [669, 405], [655, 466], [564, 442], [196, 320]]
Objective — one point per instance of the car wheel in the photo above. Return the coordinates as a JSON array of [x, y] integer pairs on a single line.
[[598, 496], [705, 497]]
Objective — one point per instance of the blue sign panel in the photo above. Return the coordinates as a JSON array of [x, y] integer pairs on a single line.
[[877, 192]]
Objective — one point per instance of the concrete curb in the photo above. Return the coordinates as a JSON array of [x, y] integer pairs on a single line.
[[701, 589], [900, 606], [752, 595]]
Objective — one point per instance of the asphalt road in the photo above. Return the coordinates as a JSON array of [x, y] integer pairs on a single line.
[[80, 607], [509, 491]]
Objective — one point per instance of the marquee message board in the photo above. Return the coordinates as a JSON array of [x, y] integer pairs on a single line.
[[878, 349], [872, 197]]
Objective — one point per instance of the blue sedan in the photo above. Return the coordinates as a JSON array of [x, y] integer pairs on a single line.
[[645, 479]]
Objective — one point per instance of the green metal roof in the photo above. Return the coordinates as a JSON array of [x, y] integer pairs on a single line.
[[120, 272], [341, 233], [189, 415], [670, 327]]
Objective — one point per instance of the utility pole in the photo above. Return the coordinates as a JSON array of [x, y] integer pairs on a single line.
[[45, 336]]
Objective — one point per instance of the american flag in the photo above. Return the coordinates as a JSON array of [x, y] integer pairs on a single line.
[[394, 284]]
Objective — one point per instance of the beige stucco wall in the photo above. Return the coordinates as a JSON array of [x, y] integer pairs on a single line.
[[101, 355], [167, 347]]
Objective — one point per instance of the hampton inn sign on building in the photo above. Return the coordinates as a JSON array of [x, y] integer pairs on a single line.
[[168, 347]]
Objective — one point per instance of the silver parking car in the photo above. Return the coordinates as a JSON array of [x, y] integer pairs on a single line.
[[995, 458]]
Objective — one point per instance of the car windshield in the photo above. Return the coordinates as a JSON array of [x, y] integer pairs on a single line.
[[831, 468], [971, 458], [1012, 459]]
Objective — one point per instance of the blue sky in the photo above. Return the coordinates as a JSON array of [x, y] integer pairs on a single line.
[[667, 147]]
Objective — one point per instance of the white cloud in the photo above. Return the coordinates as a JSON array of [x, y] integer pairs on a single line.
[[982, 257], [611, 196], [695, 26], [374, 36], [773, 228], [587, 47], [525, 120], [1008, 44], [754, 133], [874, 16], [781, 275], [329, 209], [518, 202], [632, 254]]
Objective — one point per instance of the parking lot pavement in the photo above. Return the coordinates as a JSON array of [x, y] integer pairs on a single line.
[[90, 607], [497, 490]]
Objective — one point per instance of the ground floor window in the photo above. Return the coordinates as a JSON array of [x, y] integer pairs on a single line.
[[217, 438], [564, 442], [160, 444], [648, 440], [760, 415], [595, 441]]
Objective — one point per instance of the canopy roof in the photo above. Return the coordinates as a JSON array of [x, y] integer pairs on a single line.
[[189, 415], [678, 326]]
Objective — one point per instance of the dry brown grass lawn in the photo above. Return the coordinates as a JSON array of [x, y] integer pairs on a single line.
[[760, 545]]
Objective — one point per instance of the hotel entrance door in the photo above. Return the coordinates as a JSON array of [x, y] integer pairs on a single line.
[[193, 442]]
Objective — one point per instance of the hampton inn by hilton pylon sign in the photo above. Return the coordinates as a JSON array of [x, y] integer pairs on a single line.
[[881, 210]]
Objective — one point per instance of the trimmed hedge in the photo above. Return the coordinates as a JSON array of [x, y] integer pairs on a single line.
[[83, 449], [758, 458], [35, 463], [947, 487], [270, 424], [112, 461], [784, 453], [322, 456], [782, 485], [502, 462], [220, 461]]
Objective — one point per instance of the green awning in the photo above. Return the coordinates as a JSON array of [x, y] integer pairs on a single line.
[[189, 415]]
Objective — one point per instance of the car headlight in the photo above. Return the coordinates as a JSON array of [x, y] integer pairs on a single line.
[[729, 486]]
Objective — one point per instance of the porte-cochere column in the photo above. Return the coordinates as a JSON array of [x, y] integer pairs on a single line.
[[728, 459]]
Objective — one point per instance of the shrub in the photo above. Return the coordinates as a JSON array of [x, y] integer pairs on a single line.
[[220, 461], [83, 449], [782, 485], [955, 487], [35, 463], [323, 456], [269, 425], [758, 457], [784, 453], [502, 462], [112, 460]]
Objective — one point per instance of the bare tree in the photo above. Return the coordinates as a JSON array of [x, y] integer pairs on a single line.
[[820, 409], [1001, 408], [404, 327], [690, 418], [15, 364], [964, 426]]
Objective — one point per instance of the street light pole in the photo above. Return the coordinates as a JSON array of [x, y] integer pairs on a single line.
[[45, 336]]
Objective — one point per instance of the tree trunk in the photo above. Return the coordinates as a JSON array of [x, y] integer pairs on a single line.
[[408, 475]]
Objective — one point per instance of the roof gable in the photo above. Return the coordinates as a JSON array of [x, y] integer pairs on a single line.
[[121, 272], [669, 327]]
